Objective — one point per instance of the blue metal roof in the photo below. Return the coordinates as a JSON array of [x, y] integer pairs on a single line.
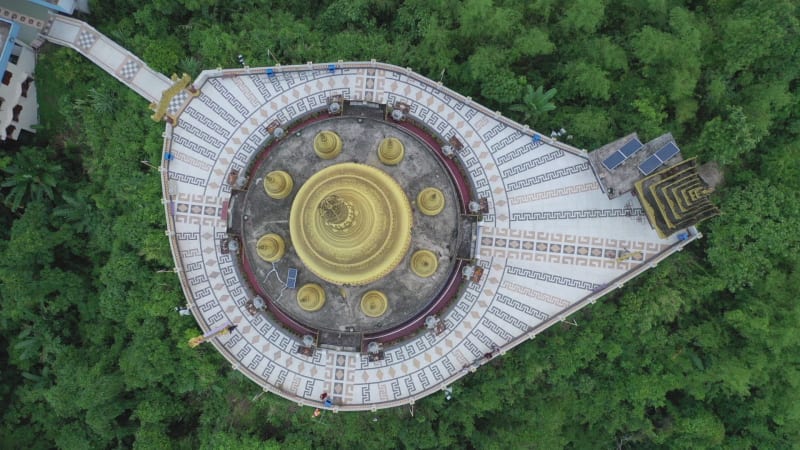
[[70, 6]]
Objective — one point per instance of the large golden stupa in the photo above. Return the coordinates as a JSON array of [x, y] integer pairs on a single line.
[[350, 224]]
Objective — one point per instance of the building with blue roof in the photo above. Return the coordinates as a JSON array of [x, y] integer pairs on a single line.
[[21, 25]]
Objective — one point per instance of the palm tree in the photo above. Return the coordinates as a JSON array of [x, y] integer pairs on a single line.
[[76, 209], [31, 175], [36, 347], [535, 102]]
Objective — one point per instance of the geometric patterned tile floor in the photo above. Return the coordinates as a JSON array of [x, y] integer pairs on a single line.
[[551, 243]]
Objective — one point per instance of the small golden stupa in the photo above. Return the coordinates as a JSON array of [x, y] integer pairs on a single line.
[[278, 184], [424, 263], [310, 297], [374, 303], [350, 224], [430, 201], [270, 247], [391, 151], [327, 144]]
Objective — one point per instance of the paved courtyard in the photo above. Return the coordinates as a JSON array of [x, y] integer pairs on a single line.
[[551, 242]]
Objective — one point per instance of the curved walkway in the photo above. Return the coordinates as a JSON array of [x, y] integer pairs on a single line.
[[106, 54]]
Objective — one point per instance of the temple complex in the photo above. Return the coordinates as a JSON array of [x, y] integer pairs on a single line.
[[358, 230], [418, 232]]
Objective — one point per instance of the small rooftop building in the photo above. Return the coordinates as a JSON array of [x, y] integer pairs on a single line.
[[21, 24], [671, 190], [676, 197], [17, 92]]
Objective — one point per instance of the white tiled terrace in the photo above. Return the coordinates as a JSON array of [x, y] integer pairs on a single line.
[[552, 242]]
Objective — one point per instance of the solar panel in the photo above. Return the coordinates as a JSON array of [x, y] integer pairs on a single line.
[[291, 278], [631, 147], [614, 160], [650, 165], [667, 152]]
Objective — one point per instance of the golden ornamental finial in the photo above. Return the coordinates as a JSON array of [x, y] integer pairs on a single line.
[[391, 151], [424, 263], [327, 144], [270, 247], [278, 184], [336, 212], [374, 303], [430, 201], [311, 297]]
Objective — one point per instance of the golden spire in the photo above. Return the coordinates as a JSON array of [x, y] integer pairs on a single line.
[[430, 201], [424, 263], [327, 144], [278, 184], [270, 247], [391, 151], [350, 224], [374, 303], [310, 297], [336, 213]]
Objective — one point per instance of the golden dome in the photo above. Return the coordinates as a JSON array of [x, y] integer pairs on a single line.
[[270, 247], [424, 263], [278, 184], [430, 201], [374, 303], [310, 297], [350, 224], [391, 151], [327, 144]]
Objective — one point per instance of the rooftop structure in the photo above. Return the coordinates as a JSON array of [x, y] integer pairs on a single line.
[[21, 27], [621, 163], [17, 91], [676, 196]]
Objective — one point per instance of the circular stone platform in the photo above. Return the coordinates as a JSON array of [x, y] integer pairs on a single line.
[[373, 253]]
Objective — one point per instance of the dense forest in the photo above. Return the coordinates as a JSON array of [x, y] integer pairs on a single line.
[[701, 352]]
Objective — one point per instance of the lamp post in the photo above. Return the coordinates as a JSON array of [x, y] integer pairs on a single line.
[[147, 163]]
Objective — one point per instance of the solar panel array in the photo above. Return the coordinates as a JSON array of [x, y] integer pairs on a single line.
[[625, 152], [660, 157], [614, 160], [630, 148]]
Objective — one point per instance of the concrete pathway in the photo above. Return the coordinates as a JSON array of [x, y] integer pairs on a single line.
[[106, 54]]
